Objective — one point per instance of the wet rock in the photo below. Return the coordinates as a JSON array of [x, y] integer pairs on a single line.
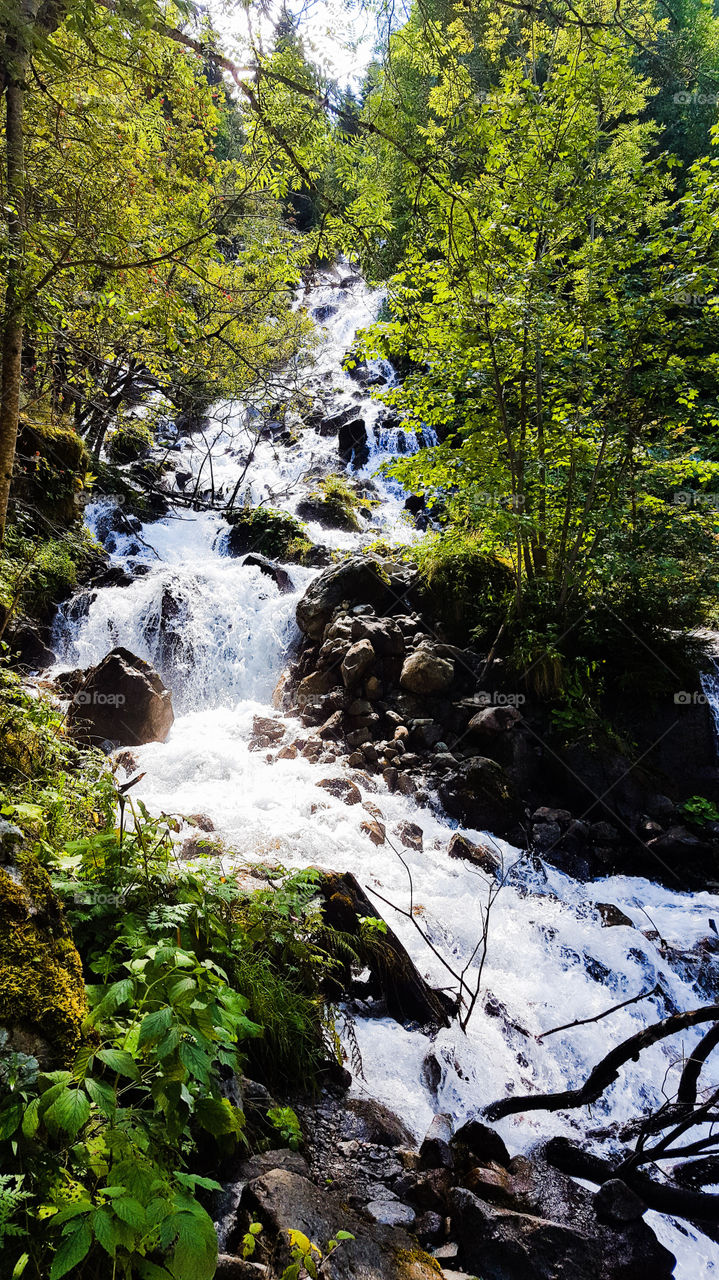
[[267, 728], [545, 814], [342, 788], [232, 1267], [359, 578], [383, 633], [201, 820], [287, 753], [411, 835], [314, 686], [357, 662], [436, 1149], [431, 1190], [352, 443], [496, 1242], [122, 700], [375, 830], [612, 915], [429, 1227], [617, 1204], [371, 1121], [546, 835], [482, 1142], [478, 854], [332, 727], [284, 1201], [29, 646], [275, 571], [425, 672], [480, 795]]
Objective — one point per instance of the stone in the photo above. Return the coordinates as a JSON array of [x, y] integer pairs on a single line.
[[492, 721], [405, 784], [375, 830], [373, 688], [201, 820], [411, 835], [332, 727], [383, 633], [285, 1201], [429, 1227], [482, 1142], [546, 814], [267, 1161], [391, 1212], [436, 1149], [546, 835], [352, 443], [612, 916], [359, 578], [122, 700], [372, 1121], [265, 727], [287, 753], [357, 662], [275, 571], [617, 1204], [480, 795], [496, 1242], [407, 995], [358, 737], [478, 854], [425, 672], [342, 788]]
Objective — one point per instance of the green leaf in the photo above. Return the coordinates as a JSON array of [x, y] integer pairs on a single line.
[[68, 1112], [154, 1025], [102, 1094], [130, 1211], [10, 1117], [119, 1061], [73, 1248], [104, 1229], [20, 1266], [217, 1116]]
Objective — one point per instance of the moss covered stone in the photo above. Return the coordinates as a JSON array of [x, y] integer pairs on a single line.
[[51, 463], [42, 993], [273, 533]]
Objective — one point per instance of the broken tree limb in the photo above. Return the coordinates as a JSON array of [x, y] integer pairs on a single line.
[[606, 1071]]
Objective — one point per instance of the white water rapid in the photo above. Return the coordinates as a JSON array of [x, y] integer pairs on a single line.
[[219, 632]]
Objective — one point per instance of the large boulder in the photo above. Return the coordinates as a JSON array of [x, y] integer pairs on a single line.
[[480, 795], [283, 1201], [353, 444], [358, 579], [425, 671], [122, 700], [42, 990]]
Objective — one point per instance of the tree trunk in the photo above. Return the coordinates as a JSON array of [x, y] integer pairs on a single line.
[[12, 320]]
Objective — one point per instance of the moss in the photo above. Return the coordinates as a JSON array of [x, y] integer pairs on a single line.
[[42, 993], [51, 465], [38, 573], [270, 532], [465, 588], [129, 441]]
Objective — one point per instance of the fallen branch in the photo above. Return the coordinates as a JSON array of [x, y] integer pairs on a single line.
[[583, 1022], [606, 1071]]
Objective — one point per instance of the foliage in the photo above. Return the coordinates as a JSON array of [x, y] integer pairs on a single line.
[[37, 572], [270, 532], [699, 811]]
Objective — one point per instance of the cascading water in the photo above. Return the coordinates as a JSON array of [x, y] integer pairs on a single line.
[[219, 632]]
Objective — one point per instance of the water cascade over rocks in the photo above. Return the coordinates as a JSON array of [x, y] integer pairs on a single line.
[[220, 629]]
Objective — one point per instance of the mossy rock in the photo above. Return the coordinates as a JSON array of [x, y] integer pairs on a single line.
[[273, 533], [42, 992], [466, 591], [129, 442], [50, 465]]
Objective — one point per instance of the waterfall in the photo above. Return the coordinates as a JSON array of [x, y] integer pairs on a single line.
[[219, 631]]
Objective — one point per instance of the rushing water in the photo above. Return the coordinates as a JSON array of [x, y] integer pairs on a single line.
[[220, 632]]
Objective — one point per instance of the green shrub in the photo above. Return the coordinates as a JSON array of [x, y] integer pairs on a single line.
[[466, 589]]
